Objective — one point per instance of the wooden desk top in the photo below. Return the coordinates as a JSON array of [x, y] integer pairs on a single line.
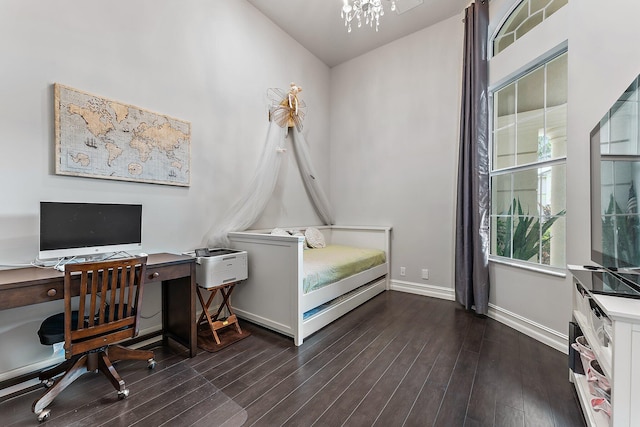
[[21, 286]]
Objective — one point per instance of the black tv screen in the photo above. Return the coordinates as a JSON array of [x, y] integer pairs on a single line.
[[77, 229]]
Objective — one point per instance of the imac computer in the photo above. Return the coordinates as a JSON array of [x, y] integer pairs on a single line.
[[88, 229]]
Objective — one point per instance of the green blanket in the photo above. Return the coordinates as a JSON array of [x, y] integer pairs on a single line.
[[323, 266]]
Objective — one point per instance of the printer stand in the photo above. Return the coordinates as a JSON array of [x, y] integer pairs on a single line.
[[215, 323]]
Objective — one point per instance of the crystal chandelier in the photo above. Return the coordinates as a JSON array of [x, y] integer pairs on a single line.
[[371, 10]]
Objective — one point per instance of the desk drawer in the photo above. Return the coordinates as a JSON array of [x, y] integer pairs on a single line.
[[27, 295], [54, 290], [168, 272]]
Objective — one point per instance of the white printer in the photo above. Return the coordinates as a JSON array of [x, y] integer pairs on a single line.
[[218, 266]]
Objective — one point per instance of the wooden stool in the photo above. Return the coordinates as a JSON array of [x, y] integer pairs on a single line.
[[214, 323]]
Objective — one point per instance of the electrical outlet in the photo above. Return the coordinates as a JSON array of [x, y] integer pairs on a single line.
[[403, 271], [425, 274]]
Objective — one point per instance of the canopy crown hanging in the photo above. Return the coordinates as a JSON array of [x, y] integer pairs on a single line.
[[286, 109]]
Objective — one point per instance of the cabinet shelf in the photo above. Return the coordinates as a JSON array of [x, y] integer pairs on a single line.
[[594, 418], [618, 359], [603, 354]]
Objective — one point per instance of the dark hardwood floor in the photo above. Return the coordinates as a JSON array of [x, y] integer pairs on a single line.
[[399, 359]]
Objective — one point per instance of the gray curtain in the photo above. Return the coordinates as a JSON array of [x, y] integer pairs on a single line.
[[472, 211]]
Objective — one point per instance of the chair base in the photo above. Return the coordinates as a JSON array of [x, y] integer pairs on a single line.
[[99, 360]]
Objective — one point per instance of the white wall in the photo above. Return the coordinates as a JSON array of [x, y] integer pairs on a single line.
[[394, 144], [602, 63], [209, 62]]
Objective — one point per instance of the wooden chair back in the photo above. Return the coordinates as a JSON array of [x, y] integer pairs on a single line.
[[108, 311]]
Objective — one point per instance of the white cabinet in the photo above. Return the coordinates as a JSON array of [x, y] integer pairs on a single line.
[[619, 358], [635, 371]]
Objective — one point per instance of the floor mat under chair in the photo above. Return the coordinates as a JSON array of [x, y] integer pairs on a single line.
[[228, 336]]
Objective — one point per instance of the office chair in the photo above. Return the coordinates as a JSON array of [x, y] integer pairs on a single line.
[[109, 310]]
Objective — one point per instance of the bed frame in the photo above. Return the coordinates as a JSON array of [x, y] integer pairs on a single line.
[[272, 296]]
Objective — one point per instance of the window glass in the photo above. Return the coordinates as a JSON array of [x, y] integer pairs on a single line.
[[554, 6], [528, 209], [526, 239], [523, 19], [531, 91], [553, 243], [537, 5], [505, 127], [530, 117], [525, 191], [529, 125], [555, 130], [528, 24], [528, 178], [623, 125], [501, 194], [556, 82], [501, 236]]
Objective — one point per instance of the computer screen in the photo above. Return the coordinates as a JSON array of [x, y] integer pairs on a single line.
[[88, 229]]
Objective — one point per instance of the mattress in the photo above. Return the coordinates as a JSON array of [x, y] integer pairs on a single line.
[[323, 266]]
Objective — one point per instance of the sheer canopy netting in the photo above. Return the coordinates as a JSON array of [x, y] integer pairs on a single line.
[[309, 176], [246, 211]]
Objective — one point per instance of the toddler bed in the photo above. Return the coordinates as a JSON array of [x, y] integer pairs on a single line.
[[298, 291]]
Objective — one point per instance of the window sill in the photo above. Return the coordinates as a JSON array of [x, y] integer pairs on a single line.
[[551, 271]]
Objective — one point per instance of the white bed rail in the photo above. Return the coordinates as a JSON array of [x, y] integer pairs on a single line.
[[272, 296]]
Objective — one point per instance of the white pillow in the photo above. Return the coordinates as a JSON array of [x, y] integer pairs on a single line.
[[279, 232], [315, 239], [298, 233]]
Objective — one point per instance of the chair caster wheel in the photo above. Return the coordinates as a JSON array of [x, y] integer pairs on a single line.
[[44, 415], [48, 383], [151, 364], [123, 394]]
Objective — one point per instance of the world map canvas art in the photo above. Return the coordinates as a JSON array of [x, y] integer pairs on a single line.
[[101, 138]]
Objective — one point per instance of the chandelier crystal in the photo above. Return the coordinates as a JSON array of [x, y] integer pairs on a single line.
[[367, 10]]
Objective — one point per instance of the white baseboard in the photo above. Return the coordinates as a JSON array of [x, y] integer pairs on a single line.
[[34, 367], [545, 335], [423, 289]]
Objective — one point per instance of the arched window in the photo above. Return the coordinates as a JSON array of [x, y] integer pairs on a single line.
[[523, 18]]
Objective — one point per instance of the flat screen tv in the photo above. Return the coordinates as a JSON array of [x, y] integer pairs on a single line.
[[615, 181], [88, 229]]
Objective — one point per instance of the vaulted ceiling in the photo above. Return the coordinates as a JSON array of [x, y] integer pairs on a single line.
[[317, 25]]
